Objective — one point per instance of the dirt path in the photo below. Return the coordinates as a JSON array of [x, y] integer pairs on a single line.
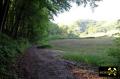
[[47, 64]]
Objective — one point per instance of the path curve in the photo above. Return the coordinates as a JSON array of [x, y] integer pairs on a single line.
[[43, 64], [39, 63]]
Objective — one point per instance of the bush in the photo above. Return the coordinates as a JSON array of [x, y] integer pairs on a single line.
[[9, 49], [115, 52]]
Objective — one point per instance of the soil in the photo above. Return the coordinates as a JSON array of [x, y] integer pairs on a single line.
[[39, 63]]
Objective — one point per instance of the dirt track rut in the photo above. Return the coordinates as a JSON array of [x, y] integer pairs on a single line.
[[47, 64]]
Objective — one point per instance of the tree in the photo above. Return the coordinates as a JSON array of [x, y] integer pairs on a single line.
[[30, 18]]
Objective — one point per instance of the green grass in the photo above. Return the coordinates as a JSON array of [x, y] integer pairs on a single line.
[[97, 60], [91, 51]]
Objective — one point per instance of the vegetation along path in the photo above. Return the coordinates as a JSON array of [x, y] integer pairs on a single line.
[[39, 63]]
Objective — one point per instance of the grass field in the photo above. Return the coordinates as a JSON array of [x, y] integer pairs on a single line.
[[89, 50]]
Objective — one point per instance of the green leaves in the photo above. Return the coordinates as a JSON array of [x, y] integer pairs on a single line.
[[9, 49], [29, 18]]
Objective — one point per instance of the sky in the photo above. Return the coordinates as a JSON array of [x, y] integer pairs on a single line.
[[107, 10]]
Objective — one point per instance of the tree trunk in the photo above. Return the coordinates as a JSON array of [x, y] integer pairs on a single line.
[[3, 13]]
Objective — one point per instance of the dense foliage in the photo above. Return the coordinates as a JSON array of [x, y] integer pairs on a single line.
[[29, 18], [92, 26], [57, 32], [9, 52], [83, 28]]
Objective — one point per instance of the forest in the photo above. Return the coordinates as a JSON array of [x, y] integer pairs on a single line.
[[84, 28], [28, 23]]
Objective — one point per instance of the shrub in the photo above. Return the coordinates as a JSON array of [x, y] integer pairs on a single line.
[[9, 49], [115, 52]]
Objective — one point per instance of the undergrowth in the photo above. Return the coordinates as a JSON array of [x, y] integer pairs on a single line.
[[115, 52], [9, 50], [91, 59]]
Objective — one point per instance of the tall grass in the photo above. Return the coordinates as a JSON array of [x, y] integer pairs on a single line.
[[98, 60]]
